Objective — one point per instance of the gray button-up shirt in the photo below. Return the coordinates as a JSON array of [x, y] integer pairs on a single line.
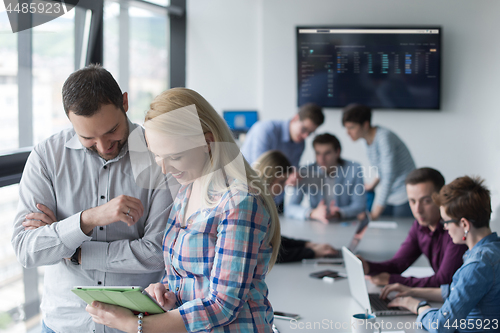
[[68, 178]]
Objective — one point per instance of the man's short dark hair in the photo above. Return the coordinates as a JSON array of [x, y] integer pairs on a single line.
[[356, 113], [313, 112], [327, 138], [89, 88], [423, 175], [466, 197]]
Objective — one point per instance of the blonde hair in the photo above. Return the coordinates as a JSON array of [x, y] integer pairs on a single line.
[[223, 153], [270, 165]]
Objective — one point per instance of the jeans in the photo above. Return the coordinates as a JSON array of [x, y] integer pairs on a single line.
[[45, 329], [370, 196]]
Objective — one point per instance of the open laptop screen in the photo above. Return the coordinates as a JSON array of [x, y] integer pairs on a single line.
[[360, 232]]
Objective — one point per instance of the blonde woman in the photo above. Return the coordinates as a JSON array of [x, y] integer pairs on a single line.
[[274, 168], [222, 234]]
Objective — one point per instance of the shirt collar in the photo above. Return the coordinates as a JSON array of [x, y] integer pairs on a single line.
[[285, 131], [74, 143], [438, 230], [493, 237]]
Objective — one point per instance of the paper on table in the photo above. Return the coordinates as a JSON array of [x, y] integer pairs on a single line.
[[383, 224], [418, 272]]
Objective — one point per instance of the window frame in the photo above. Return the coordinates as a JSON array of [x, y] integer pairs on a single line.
[[12, 162]]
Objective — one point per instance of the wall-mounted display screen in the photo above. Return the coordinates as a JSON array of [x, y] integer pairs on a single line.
[[390, 68]]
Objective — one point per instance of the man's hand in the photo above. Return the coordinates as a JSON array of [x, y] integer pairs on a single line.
[[366, 265], [123, 208], [371, 186], [37, 220], [334, 210], [323, 213], [377, 210], [321, 250], [398, 287], [320, 213], [381, 279]]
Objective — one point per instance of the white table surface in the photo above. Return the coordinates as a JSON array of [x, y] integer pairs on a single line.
[[327, 306]]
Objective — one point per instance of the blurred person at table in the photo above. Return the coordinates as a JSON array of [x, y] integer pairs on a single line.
[[388, 153], [274, 168], [222, 235], [287, 136], [334, 185], [427, 236], [471, 301]]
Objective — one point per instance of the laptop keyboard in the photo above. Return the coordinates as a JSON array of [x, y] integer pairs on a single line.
[[379, 304], [380, 307]]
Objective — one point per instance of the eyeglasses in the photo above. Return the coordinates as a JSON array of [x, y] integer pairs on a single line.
[[454, 221], [449, 221], [305, 130]]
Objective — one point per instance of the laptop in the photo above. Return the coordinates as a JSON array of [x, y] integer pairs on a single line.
[[357, 285], [356, 239]]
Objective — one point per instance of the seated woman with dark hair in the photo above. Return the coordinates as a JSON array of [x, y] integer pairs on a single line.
[[274, 168], [472, 301]]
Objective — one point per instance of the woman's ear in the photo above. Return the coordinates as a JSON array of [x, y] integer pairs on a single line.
[[209, 138], [465, 224]]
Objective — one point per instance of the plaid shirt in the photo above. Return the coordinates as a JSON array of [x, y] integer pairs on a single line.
[[216, 263]]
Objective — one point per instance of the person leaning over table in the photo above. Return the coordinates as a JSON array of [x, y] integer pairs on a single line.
[[223, 232], [274, 169], [471, 302], [389, 154], [427, 236], [287, 136]]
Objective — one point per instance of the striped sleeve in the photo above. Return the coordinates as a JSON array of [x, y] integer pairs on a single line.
[[394, 162], [387, 167]]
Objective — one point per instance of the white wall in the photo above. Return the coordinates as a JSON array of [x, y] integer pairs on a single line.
[[241, 54]]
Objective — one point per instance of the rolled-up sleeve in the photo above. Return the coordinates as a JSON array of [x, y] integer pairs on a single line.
[[240, 235], [387, 170], [469, 288], [133, 256]]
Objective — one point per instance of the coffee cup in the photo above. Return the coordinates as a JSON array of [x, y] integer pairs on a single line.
[[364, 323]]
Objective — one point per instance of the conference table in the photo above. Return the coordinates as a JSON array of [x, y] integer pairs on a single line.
[[325, 305]]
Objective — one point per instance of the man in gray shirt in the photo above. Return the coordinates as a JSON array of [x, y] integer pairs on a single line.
[[81, 212]]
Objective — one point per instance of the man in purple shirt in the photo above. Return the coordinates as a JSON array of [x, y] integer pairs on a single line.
[[426, 236]]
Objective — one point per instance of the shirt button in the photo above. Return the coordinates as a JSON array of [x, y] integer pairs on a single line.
[[101, 228], [102, 196], [105, 167], [452, 288], [445, 313]]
